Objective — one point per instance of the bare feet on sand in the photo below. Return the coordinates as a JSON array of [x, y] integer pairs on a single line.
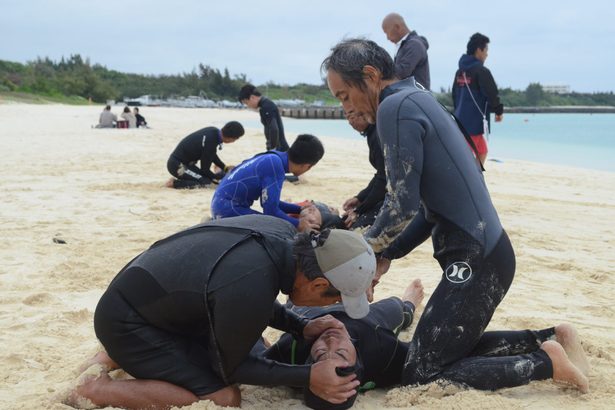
[[169, 183], [87, 384], [567, 336], [414, 293], [564, 371], [101, 358]]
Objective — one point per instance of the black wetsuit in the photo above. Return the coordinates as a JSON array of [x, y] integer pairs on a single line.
[[272, 121], [190, 308], [383, 355], [201, 146], [372, 196], [140, 121], [436, 183]]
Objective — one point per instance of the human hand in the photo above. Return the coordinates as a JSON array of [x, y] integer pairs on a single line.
[[307, 225], [382, 267], [351, 203], [315, 327], [326, 384], [350, 218], [499, 118]]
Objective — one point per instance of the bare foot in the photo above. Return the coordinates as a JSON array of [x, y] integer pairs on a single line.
[[101, 358], [87, 384], [567, 336], [169, 183], [414, 293], [564, 371]]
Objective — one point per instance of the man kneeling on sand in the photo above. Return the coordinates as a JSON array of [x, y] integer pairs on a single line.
[[183, 316]]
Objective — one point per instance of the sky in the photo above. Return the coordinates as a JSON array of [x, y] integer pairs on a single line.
[[550, 42]]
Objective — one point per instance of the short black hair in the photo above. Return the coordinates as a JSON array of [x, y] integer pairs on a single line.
[[246, 91], [232, 129], [305, 257], [108, 107], [307, 149], [314, 402], [477, 41], [126, 109], [348, 57]]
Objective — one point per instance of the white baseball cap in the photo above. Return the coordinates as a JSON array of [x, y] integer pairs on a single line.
[[349, 263]]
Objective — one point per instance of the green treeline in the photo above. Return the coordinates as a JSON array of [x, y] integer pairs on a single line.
[[76, 77]]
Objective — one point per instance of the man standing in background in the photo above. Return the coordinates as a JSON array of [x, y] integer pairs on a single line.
[[411, 58], [475, 94]]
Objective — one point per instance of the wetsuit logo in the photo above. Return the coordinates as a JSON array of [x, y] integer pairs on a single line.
[[458, 272]]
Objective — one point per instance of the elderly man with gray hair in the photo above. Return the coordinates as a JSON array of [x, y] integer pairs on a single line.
[[411, 58]]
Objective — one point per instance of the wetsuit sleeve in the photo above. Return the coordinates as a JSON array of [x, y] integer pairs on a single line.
[[218, 161], [287, 321], [374, 193], [490, 89], [207, 155], [289, 208], [272, 131], [402, 145], [272, 179], [408, 57], [260, 371], [415, 234]]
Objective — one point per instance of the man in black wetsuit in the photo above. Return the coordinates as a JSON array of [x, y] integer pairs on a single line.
[[270, 117], [371, 346], [436, 185], [361, 210], [183, 316], [201, 145]]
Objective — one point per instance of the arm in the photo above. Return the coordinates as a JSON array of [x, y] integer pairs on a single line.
[[218, 161], [415, 234], [289, 208], [272, 131], [207, 155], [403, 142], [408, 57], [287, 321], [487, 86], [373, 194], [272, 179]]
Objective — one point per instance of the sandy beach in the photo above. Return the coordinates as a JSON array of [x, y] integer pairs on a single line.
[[102, 193]]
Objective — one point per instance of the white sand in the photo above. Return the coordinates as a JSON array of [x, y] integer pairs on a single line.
[[102, 192]]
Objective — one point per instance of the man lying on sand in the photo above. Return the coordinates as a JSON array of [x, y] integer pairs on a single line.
[[370, 345], [183, 316]]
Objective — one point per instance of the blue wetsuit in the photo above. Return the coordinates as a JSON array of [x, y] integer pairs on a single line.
[[261, 176]]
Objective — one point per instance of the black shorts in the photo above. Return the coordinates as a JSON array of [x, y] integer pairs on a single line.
[[147, 352]]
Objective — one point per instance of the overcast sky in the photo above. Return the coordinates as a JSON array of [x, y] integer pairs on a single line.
[[551, 42]]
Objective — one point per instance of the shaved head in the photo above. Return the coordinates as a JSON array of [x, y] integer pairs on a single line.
[[394, 27]]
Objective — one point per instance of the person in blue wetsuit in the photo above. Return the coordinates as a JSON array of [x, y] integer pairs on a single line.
[[262, 176], [435, 186]]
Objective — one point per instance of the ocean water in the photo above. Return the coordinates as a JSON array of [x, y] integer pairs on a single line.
[[578, 140]]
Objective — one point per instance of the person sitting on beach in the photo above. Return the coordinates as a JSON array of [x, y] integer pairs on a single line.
[[183, 316], [140, 119], [201, 145], [437, 184], [128, 116], [372, 349], [262, 176], [361, 209], [107, 119]]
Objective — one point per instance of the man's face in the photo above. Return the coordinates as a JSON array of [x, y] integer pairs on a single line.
[[311, 214], [334, 343], [251, 102], [228, 140], [392, 32], [358, 122], [355, 101], [482, 54]]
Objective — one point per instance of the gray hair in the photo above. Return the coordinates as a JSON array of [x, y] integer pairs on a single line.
[[348, 57]]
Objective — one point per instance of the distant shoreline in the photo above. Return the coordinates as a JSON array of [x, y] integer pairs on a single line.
[[337, 113]]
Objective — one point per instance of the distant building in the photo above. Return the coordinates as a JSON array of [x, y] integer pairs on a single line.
[[556, 89]]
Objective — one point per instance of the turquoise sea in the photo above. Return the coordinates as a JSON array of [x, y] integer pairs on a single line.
[[578, 140]]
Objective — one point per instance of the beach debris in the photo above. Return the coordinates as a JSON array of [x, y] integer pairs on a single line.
[[59, 240]]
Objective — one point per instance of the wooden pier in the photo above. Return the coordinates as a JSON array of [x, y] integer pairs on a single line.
[[328, 113]]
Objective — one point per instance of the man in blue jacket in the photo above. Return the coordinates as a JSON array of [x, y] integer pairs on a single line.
[[475, 94], [262, 176]]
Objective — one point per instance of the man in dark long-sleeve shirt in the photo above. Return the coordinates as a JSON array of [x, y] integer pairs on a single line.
[[270, 117], [201, 145], [183, 316]]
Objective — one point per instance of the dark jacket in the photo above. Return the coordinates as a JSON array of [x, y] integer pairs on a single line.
[[412, 60], [375, 191], [482, 87], [274, 129]]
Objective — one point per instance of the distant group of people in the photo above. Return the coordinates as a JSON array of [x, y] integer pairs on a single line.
[[108, 119], [186, 316]]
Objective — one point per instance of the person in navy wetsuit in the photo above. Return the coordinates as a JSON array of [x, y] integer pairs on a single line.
[[436, 187], [261, 177]]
